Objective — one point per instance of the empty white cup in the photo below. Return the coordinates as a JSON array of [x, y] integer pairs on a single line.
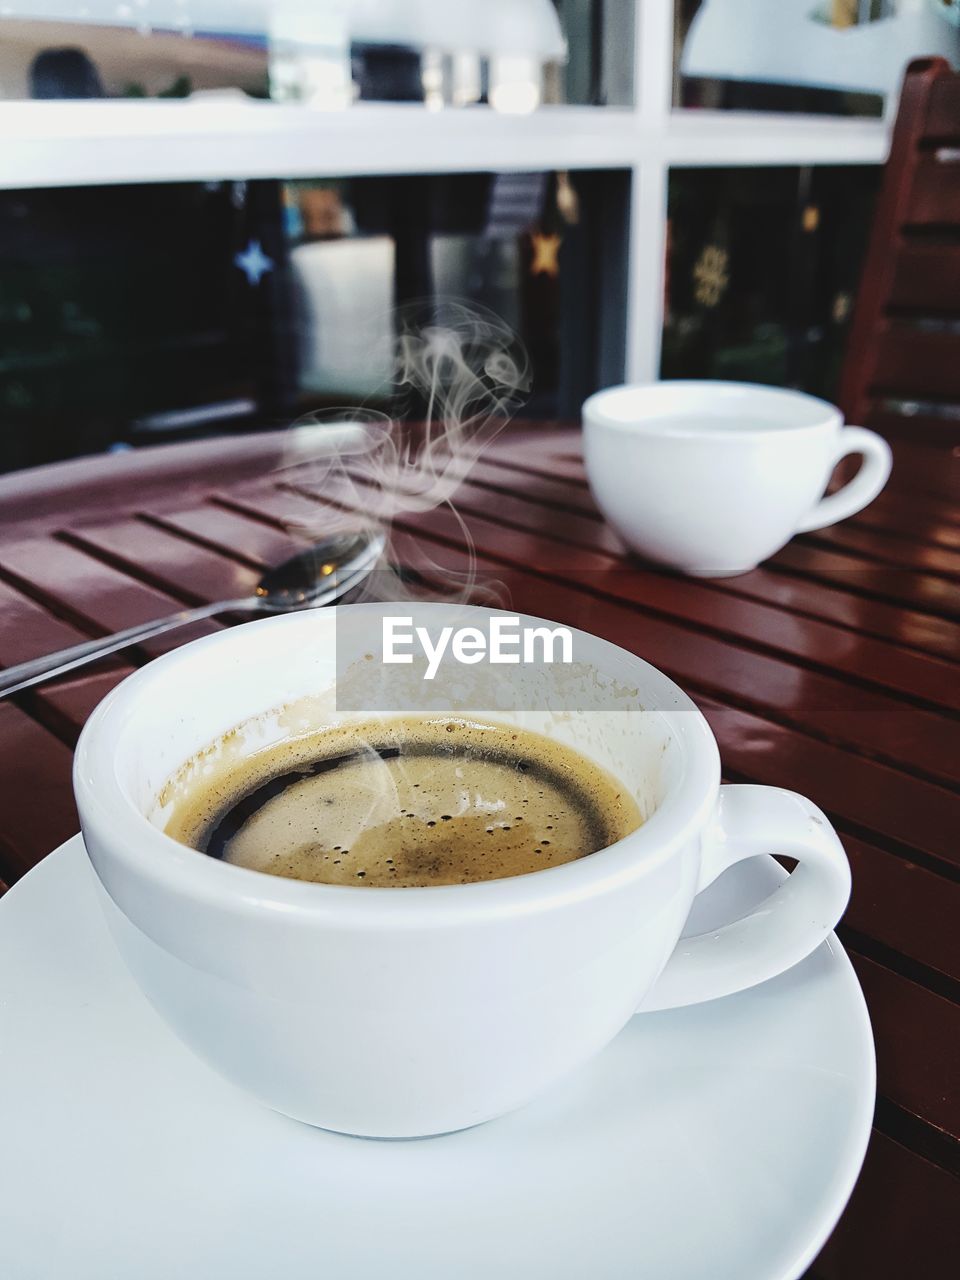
[[713, 477]]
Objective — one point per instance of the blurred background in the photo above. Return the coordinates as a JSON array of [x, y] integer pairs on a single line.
[[209, 208]]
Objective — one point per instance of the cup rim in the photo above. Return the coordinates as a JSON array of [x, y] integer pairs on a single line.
[[110, 816], [596, 409]]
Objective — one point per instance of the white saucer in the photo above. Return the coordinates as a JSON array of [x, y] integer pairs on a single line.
[[717, 1141]]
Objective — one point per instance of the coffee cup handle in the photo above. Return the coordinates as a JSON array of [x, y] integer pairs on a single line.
[[781, 931], [862, 489]]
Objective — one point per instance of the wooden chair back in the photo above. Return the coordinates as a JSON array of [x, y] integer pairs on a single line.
[[901, 374]]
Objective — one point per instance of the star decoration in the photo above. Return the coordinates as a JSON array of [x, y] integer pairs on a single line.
[[711, 275], [253, 262], [545, 254], [841, 307]]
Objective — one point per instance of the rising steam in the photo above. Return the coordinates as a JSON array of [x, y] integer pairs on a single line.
[[460, 374]]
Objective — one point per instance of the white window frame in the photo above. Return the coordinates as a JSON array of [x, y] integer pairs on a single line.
[[46, 144]]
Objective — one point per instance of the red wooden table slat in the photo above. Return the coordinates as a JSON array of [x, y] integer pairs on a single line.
[[874, 796], [830, 671], [905, 627], [529, 510], [898, 518], [86, 588], [769, 622], [857, 792], [559, 493], [906, 908], [65, 705], [901, 1223], [28, 630], [892, 550], [920, 1034], [37, 797], [925, 518], [547, 451], [808, 599], [194, 574], [836, 708], [853, 573], [822, 703], [749, 619], [226, 531]]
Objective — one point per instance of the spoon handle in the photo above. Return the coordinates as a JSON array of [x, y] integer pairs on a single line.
[[54, 664]]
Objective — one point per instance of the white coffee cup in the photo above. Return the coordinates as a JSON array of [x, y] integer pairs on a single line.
[[404, 1012], [713, 477]]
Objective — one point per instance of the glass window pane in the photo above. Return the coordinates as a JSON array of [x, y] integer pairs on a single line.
[[323, 54], [598, 70], [117, 305], [762, 271], [532, 248], [130, 50], [133, 314], [836, 56]]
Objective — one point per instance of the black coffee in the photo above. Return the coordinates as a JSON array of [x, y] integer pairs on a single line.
[[409, 802]]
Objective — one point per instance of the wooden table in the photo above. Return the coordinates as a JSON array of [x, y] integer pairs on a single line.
[[833, 670]]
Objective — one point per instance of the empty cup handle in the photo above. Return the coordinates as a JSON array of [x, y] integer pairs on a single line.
[[785, 928], [862, 489]]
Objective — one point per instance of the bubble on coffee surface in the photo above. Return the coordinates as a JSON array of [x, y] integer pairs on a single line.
[[405, 803]]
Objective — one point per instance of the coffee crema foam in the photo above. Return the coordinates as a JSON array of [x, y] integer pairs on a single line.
[[406, 802]]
